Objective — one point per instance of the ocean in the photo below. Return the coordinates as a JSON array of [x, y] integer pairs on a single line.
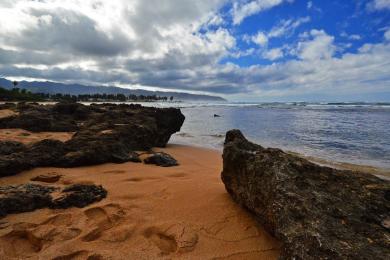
[[357, 133]]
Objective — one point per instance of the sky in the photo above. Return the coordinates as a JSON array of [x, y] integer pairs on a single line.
[[244, 50]]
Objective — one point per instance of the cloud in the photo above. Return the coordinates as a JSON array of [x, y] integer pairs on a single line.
[[387, 35], [309, 5], [376, 5], [287, 27], [260, 39], [320, 46], [354, 37], [273, 54], [181, 45], [284, 28], [244, 9]]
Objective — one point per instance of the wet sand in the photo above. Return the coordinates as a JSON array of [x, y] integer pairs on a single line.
[[151, 212]]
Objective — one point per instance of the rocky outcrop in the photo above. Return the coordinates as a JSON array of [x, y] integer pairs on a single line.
[[29, 197], [104, 133], [9, 147], [317, 212], [161, 159]]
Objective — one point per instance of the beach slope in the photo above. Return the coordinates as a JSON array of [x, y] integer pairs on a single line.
[[180, 212]]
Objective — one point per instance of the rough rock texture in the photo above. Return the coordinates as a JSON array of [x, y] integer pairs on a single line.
[[9, 147], [28, 197], [161, 159], [317, 212], [79, 195], [104, 133]]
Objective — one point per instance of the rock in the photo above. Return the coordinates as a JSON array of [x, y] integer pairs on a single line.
[[44, 153], [24, 198], [47, 178], [29, 197], [9, 147], [131, 128], [161, 159], [317, 212], [134, 157], [79, 195], [7, 105]]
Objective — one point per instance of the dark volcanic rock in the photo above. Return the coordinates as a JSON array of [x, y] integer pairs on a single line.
[[317, 212], [9, 147], [24, 198], [161, 159], [105, 133], [29, 197], [44, 153], [79, 195]]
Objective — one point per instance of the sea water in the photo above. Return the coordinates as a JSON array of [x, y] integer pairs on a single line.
[[356, 133]]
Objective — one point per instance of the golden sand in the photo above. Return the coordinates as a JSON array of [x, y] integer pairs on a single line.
[[150, 212]]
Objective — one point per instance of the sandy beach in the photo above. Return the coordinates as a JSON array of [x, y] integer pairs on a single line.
[[150, 212]]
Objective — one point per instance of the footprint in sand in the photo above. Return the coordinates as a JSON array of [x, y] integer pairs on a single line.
[[81, 254], [181, 176], [102, 219], [119, 234], [174, 239], [59, 220], [162, 194], [140, 179], [4, 224], [166, 244], [21, 241], [115, 171]]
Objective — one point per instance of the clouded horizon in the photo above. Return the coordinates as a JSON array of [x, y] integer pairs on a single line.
[[259, 50]]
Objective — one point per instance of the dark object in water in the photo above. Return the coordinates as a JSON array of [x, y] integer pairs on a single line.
[[317, 212], [215, 115]]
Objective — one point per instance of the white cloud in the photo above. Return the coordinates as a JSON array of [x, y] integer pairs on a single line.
[[260, 39], [286, 27], [243, 9], [321, 46], [175, 44], [273, 54], [354, 37], [379, 5], [387, 35], [309, 5]]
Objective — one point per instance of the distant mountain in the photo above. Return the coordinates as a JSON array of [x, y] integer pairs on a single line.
[[77, 89]]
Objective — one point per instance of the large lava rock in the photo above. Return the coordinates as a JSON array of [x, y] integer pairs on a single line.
[[29, 197], [317, 212], [104, 133]]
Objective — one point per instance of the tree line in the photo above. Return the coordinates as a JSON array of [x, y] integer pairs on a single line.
[[17, 94]]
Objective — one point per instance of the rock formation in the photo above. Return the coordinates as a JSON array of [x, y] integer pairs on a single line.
[[104, 133], [29, 197], [161, 159], [317, 212]]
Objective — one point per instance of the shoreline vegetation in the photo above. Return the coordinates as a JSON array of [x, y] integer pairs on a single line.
[[20, 95], [102, 182]]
